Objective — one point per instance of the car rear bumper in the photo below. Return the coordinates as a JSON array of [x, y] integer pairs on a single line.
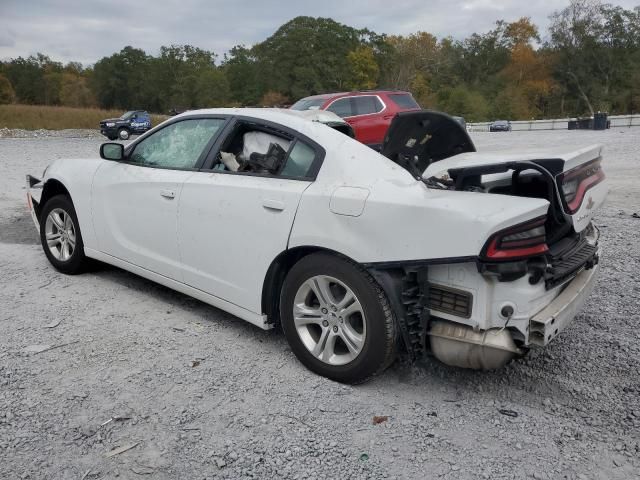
[[555, 317]]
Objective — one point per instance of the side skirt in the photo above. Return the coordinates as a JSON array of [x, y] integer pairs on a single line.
[[254, 318]]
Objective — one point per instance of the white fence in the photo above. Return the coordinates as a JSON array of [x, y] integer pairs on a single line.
[[617, 121]]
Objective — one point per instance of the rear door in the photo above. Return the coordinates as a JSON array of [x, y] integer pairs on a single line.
[[369, 120], [135, 202], [232, 225]]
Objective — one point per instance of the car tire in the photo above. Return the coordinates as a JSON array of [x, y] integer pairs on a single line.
[[112, 138], [124, 134], [350, 335], [60, 236]]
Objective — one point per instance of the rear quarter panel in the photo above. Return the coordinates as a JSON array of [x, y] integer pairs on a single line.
[[402, 219]]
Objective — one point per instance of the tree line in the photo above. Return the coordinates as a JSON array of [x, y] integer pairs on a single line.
[[588, 61]]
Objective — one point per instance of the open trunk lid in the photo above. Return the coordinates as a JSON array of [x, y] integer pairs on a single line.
[[434, 146], [416, 139], [575, 186]]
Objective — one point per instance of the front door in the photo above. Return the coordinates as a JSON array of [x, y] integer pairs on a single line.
[[232, 225], [135, 202]]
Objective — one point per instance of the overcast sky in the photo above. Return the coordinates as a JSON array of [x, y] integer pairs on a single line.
[[87, 30]]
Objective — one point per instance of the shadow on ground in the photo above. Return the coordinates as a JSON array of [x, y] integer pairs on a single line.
[[17, 227]]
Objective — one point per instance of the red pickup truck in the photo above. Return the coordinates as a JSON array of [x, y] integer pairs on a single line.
[[369, 112]]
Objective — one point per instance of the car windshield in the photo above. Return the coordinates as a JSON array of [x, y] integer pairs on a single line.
[[308, 104], [127, 115], [501, 122]]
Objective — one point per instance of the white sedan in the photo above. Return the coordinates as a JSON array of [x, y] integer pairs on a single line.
[[427, 247]]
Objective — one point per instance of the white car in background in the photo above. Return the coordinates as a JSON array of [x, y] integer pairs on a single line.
[[427, 247]]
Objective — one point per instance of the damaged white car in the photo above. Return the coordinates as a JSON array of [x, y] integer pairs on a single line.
[[427, 247]]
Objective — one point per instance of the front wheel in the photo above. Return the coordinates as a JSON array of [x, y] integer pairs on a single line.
[[60, 235], [337, 319], [123, 134]]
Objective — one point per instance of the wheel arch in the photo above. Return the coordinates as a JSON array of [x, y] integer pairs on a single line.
[[52, 187], [277, 272]]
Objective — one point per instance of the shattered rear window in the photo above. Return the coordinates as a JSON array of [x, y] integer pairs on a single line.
[[403, 100]]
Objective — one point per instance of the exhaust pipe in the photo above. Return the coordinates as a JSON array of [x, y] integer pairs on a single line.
[[461, 346]]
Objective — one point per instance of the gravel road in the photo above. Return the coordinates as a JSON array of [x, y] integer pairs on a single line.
[[188, 391]]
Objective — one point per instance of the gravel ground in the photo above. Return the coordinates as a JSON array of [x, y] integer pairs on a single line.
[[197, 393]]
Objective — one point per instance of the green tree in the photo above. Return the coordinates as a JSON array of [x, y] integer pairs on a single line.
[[309, 55], [597, 49], [27, 76], [242, 70], [483, 56], [212, 89], [463, 102], [179, 72], [121, 80]]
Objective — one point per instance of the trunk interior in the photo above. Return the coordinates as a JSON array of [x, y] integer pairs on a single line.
[[435, 148]]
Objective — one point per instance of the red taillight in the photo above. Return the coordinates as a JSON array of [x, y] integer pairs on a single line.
[[575, 183], [520, 241]]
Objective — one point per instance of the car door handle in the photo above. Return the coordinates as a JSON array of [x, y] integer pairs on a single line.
[[273, 205], [168, 193]]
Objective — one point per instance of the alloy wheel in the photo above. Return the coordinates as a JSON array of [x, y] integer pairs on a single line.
[[60, 234], [329, 320]]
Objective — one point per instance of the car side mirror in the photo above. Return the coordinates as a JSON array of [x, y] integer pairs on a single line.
[[112, 151]]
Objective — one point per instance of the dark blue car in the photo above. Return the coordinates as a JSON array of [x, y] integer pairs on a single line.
[[134, 122], [500, 126]]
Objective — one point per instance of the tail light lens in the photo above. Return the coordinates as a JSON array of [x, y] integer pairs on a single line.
[[575, 183], [524, 240]]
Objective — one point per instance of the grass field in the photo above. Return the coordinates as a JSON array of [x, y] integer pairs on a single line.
[[33, 117]]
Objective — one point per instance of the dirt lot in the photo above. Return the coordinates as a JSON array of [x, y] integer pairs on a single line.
[[200, 394]]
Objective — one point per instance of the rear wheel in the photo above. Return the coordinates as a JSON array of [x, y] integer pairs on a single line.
[[337, 319], [60, 235]]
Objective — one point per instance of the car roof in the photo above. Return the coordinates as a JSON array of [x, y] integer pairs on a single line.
[[295, 120], [327, 96]]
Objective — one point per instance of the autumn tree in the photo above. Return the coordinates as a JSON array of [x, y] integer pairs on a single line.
[[7, 95], [75, 91], [410, 55], [273, 99], [528, 79]]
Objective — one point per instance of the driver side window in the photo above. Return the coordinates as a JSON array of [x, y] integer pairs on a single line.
[[178, 145]]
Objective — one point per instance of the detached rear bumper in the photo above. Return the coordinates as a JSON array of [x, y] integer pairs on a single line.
[[34, 194], [551, 320]]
